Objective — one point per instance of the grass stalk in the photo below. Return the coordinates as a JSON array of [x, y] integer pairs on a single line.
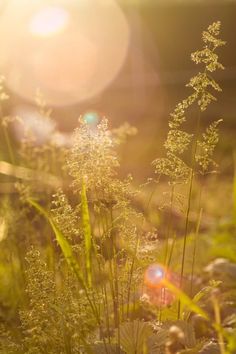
[[189, 200], [169, 224], [8, 143], [130, 275], [218, 327], [194, 250]]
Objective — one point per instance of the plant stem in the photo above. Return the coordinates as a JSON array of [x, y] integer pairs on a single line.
[[131, 275], [192, 173], [194, 249], [218, 326], [9, 147], [169, 223]]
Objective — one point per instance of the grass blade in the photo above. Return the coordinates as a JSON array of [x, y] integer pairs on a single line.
[[234, 190], [185, 299], [63, 243], [87, 234]]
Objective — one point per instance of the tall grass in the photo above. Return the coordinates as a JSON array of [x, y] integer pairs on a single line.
[[85, 288]]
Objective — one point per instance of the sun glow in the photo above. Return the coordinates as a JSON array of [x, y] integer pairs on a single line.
[[49, 21], [71, 50]]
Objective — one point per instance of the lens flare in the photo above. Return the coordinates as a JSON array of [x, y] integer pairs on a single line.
[[155, 289], [154, 275], [49, 21], [39, 127], [71, 50], [91, 118]]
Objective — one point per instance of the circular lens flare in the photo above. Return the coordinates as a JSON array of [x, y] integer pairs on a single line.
[[91, 118], [71, 50], [49, 21], [155, 287], [154, 275]]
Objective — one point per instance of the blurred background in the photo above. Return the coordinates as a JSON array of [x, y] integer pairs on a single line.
[[128, 60]]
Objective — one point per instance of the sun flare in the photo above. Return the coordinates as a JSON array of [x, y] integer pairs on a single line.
[[49, 21]]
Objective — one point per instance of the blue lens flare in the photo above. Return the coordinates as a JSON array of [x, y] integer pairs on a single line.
[[91, 118], [154, 274]]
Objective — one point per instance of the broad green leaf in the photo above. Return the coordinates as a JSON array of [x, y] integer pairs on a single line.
[[157, 341], [133, 337]]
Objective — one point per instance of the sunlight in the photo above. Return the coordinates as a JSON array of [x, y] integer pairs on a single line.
[[71, 50], [49, 21]]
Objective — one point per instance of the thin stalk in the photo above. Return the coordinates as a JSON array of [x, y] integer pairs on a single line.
[[97, 317], [234, 188], [116, 286], [122, 301], [7, 139], [106, 309], [185, 236], [131, 275], [167, 246], [150, 197], [105, 224], [104, 291], [194, 249], [218, 326], [9, 147], [169, 224], [189, 205], [171, 251]]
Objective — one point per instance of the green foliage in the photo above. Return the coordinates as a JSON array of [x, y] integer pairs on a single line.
[[134, 336], [185, 300], [87, 292], [63, 243], [87, 234]]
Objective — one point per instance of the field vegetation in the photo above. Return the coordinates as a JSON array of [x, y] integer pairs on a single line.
[[93, 263]]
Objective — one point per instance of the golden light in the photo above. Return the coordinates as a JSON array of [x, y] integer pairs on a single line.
[[49, 21], [69, 49]]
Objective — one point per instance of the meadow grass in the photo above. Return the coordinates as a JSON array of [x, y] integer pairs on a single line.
[[85, 272]]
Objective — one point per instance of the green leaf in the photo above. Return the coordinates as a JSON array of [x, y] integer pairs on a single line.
[[203, 292], [133, 337], [63, 243], [157, 341], [100, 348], [87, 234], [185, 299]]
